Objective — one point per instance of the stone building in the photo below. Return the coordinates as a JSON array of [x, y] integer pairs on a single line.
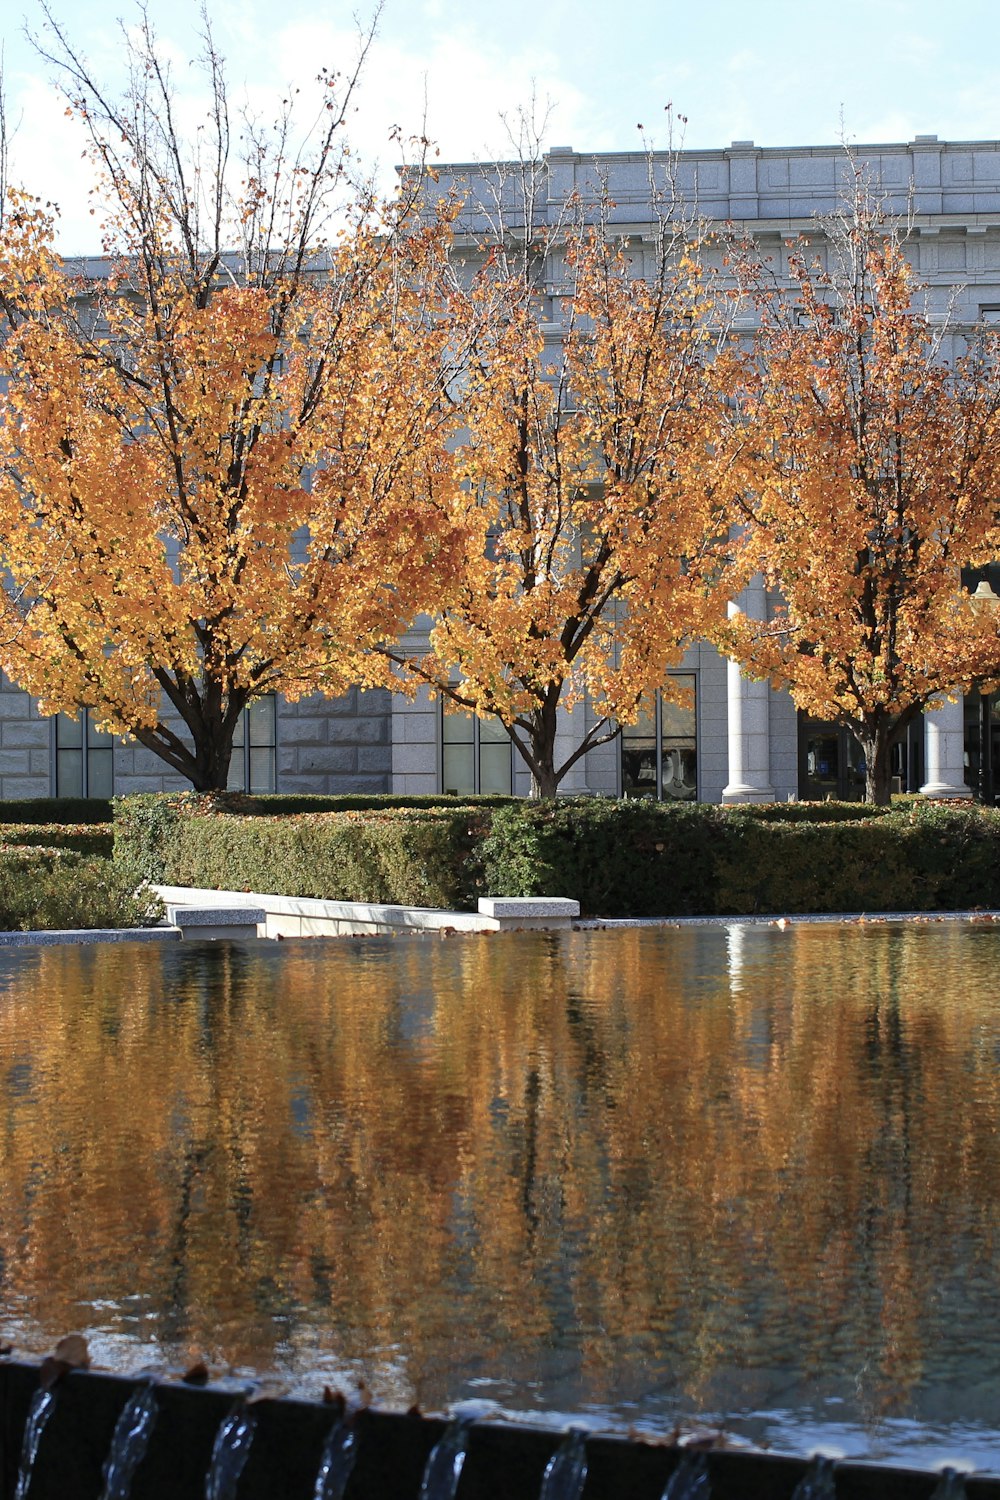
[[738, 740]]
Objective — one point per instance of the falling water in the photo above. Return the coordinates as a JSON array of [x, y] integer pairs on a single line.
[[566, 1470], [951, 1487], [230, 1453], [444, 1466], [817, 1482], [689, 1481], [42, 1404], [129, 1442], [339, 1452]]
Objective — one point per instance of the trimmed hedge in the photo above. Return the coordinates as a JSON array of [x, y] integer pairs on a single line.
[[46, 889], [743, 861], [618, 859], [409, 856], [53, 810], [810, 812], [629, 858], [275, 804], [83, 838]]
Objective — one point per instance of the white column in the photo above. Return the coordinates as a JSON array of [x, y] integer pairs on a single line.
[[748, 713], [944, 749]]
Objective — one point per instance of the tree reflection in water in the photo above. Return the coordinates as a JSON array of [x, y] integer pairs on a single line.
[[644, 1172]]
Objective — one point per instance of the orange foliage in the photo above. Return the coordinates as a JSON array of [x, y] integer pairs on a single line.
[[871, 478], [224, 459], [588, 497]]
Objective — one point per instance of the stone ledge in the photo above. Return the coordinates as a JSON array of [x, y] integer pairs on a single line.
[[85, 935], [240, 913], [212, 921], [309, 916], [528, 906], [546, 912]]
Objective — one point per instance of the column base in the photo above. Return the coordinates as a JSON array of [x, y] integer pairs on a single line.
[[944, 789], [737, 792]]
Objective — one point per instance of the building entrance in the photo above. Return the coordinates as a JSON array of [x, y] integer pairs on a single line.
[[832, 766], [982, 746]]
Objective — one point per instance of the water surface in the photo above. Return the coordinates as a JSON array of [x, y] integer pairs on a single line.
[[748, 1174]]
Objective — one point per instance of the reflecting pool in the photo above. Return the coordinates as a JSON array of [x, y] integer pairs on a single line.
[[744, 1174]]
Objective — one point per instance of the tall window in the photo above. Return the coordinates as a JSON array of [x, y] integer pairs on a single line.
[[253, 767], [475, 754], [659, 754], [84, 757]]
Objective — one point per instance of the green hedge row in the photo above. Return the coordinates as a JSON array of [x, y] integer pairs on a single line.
[[55, 810], [645, 859], [275, 804], [617, 859], [46, 889], [814, 812], [83, 838], [405, 855]]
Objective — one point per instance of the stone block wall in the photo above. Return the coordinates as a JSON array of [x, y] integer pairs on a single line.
[[324, 745], [415, 744], [336, 745], [26, 752]]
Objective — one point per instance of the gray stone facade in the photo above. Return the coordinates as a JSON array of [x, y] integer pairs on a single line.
[[324, 745], [335, 744], [27, 758]]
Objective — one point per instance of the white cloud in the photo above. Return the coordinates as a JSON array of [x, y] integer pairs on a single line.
[[470, 65], [746, 61], [462, 86], [47, 156]]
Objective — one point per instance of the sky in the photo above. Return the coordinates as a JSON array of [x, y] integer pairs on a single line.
[[777, 72]]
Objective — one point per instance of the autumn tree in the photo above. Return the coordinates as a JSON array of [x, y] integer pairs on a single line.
[[871, 478], [587, 497], [223, 447]]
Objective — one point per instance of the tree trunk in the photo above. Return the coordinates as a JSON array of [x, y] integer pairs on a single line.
[[544, 782], [212, 723], [544, 777], [878, 766], [211, 764], [200, 747]]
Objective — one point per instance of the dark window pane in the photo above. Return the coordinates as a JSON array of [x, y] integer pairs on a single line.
[[69, 732], [261, 714], [494, 767], [100, 772], [99, 737], [459, 728], [261, 770], [69, 773], [458, 768], [639, 768]]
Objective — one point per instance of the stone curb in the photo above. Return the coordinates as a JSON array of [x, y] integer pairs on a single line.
[[309, 916], [794, 919], [86, 935], [171, 934]]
